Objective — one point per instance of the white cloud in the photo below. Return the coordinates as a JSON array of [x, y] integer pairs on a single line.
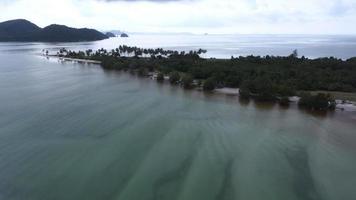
[[223, 16]]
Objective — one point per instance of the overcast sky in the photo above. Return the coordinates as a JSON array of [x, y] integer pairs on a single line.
[[196, 16]]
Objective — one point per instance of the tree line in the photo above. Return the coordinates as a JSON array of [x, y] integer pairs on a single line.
[[127, 51]]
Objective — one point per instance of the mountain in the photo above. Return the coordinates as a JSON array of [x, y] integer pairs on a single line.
[[17, 30], [25, 31], [60, 33]]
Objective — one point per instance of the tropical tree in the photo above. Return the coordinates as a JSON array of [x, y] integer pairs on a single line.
[[174, 77], [209, 84], [187, 81], [160, 77], [319, 101]]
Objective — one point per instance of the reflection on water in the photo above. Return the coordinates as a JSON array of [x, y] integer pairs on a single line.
[[75, 131]]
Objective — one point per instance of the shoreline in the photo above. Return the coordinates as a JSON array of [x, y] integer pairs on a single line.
[[61, 58], [342, 105]]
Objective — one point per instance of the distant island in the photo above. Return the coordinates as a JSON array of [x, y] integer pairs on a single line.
[[110, 34], [21, 30], [124, 35], [268, 78], [116, 33]]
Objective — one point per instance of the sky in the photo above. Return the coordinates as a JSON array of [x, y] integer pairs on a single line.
[[193, 16]]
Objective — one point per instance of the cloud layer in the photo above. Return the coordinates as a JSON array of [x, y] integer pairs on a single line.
[[223, 16]]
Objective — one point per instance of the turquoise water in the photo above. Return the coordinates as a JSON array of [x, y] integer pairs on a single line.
[[73, 131]]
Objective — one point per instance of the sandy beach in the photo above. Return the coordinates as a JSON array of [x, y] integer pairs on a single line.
[[227, 91], [74, 59]]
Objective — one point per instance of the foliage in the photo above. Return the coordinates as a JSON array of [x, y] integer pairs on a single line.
[[294, 54], [319, 101], [187, 81], [174, 77], [160, 77], [209, 84], [245, 91]]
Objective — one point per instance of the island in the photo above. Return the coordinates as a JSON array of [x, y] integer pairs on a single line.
[[124, 35], [110, 34], [267, 78], [22, 30]]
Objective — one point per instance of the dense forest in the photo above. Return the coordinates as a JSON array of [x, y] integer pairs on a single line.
[[264, 78]]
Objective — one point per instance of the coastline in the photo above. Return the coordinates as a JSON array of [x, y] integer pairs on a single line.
[[73, 59], [228, 91], [341, 104]]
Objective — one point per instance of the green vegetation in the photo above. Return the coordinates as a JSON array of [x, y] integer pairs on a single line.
[[209, 84], [160, 77], [338, 95], [245, 91], [317, 102], [268, 78], [174, 77], [187, 81]]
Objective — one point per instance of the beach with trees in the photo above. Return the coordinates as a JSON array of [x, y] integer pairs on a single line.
[[264, 78]]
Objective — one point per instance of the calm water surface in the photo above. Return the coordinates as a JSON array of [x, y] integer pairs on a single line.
[[220, 46], [73, 131]]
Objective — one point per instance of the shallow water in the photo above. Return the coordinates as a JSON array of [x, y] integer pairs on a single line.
[[74, 131]]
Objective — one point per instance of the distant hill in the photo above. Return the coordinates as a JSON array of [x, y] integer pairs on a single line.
[[17, 30], [124, 35], [115, 32], [24, 31], [110, 34]]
